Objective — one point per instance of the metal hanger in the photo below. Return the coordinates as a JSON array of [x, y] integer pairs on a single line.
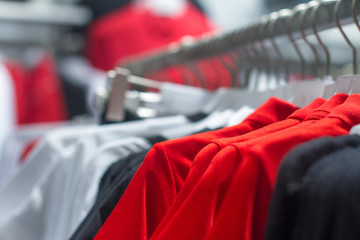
[[224, 59], [347, 40], [316, 7], [292, 16], [264, 32], [306, 10], [354, 7], [241, 57], [252, 57], [257, 60], [231, 62], [274, 18], [259, 32]]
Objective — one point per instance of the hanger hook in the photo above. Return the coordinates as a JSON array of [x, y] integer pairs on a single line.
[[337, 21], [353, 7], [316, 5], [292, 15], [304, 9], [255, 36], [261, 30], [274, 18]]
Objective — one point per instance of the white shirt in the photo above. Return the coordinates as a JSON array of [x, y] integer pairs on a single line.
[[7, 105], [32, 205], [15, 144], [57, 187]]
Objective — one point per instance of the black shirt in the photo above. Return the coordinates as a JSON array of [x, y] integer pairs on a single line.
[[112, 186], [290, 216]]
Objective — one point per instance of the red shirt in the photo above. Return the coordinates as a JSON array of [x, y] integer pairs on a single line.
[[39, 94], [243, 212], [204, 157], [20, 81], [163, 172], [46, 99], [129, 31], [196, 216]]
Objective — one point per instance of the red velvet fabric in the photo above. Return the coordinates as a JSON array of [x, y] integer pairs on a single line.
[[206, 202], [204, 158]]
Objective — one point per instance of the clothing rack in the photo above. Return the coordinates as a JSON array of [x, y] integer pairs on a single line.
[[276, 25], [286, 26]]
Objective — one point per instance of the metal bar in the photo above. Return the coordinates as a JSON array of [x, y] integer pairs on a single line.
[[226, 42]]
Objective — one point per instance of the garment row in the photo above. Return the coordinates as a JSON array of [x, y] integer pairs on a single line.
[[128, 181]]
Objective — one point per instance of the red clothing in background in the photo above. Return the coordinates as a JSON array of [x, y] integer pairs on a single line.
[[46, 99], [20, 80], [129, 31], [39, 94]]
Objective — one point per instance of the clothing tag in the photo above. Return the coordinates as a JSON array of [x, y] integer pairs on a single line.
[[215, 100], [306, 91], [329, 87], [329, 91], [355, 84], [116, 102], [287, 93], [240, 98], [342, 84], [328, 80]]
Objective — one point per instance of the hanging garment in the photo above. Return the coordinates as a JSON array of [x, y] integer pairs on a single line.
[[168, 164], [204, 158], [17, 146], [39, 94], [8, 106], [64, 171], [255, 178], [127, 32], [112, 187], [19, 78], [47, 175], [329, 199], [303, 204], [214, 185], [46, 99]]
